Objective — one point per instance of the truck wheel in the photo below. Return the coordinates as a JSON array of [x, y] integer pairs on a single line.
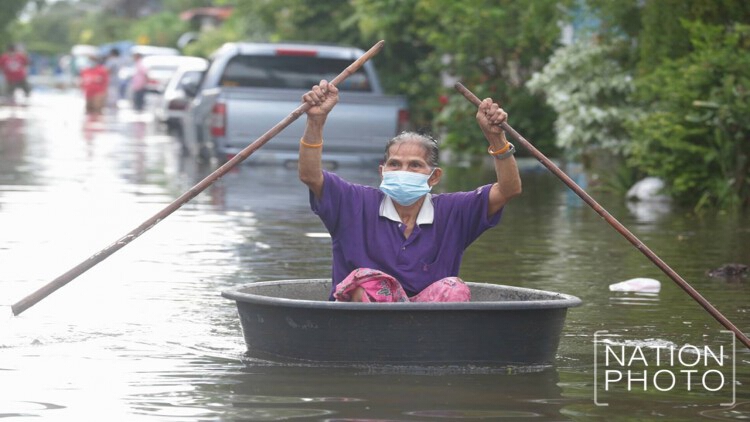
[[204, 153]]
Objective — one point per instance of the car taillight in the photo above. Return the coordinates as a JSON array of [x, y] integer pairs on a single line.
[[403, 120], [218, 119]]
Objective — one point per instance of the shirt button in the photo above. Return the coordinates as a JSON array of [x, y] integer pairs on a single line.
[[404, 248]]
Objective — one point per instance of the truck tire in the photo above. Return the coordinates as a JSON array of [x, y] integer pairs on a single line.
[[205, 153]]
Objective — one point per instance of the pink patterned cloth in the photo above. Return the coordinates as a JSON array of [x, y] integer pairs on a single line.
[[381, 287]]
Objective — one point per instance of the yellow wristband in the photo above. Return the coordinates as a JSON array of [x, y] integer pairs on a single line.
[[305, 144], [502, 150]]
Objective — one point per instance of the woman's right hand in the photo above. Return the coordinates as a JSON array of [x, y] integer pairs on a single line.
[[490, 116], [321, 99]]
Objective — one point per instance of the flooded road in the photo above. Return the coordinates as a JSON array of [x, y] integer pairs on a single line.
[[145, 335]]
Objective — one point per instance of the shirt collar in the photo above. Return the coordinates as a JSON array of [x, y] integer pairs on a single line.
[[426, 212]]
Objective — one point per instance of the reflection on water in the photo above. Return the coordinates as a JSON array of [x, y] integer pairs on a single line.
[[145, 335], [362, 392]]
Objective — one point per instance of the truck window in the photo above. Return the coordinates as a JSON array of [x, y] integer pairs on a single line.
[[293, 72]]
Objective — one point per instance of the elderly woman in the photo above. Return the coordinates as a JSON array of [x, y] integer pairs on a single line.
[[399, 243]]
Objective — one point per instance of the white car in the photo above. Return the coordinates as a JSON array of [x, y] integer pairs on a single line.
[[172, 104], [159, 69]]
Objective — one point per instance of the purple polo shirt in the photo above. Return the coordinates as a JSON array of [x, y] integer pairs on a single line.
[[362, 238]]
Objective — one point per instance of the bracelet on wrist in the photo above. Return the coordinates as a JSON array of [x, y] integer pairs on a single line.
[[504, 152], [305, 144]]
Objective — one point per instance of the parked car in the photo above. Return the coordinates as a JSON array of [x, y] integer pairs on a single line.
[[170, 108], [159, 69], [250, 87]]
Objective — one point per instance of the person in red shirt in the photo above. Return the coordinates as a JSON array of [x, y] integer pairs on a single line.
[[14, 64], [94, 82]]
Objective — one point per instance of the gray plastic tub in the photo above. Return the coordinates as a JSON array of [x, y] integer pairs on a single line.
[[292, 320]]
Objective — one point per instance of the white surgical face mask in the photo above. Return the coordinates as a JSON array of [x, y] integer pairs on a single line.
[[405, 187]]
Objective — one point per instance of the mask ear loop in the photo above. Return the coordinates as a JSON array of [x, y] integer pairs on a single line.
[[430, 176]]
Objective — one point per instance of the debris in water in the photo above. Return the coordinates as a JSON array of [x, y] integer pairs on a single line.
[[645, 285]]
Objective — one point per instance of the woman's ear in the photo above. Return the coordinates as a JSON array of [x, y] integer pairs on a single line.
[[435, 178]]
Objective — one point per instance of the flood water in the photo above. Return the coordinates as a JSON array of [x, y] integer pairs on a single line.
[[146, 335]]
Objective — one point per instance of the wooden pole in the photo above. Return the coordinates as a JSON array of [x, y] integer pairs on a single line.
[[614, 223], [79, 269]]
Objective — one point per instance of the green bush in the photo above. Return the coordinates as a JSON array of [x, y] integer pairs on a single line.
[[694, 134]]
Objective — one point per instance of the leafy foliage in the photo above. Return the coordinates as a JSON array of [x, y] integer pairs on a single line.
[[161, 29], [665, 37], [407, 63], [589, 88], [695, 134], [53, 29], [233, 29], [8, 14], [493, 47]]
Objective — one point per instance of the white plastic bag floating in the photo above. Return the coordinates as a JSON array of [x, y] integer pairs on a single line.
[[648, 189], [645, 285]]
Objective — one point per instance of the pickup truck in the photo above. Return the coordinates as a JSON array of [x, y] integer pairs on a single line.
[[250, 87]]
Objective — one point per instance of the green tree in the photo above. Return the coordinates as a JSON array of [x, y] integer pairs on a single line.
[[617, 20], [695, 134], [668, 40], [233, 29], [492, 46], [8, 15], [665, 37], [99, 28], [162, 29], [302, 20], [281, 20], [407, 64], [52, 28]]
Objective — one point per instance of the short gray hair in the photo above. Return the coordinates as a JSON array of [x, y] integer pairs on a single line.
[[429, 144]]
